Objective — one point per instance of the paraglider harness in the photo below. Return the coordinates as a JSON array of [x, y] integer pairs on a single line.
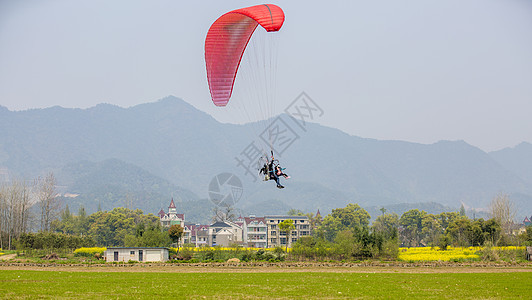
[[268, 169]]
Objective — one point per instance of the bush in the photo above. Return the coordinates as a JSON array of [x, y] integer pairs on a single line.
[[209, 255], [390, 249], [511, 253], [186, 253], [445, 240], [488, 253], [50, 240], [247, 256], [267, 256]]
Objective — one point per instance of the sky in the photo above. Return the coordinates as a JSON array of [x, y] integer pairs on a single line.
[[418, 71]]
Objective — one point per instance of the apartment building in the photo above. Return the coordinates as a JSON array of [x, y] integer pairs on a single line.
[[255, 231], [276, 237], [224, 234]]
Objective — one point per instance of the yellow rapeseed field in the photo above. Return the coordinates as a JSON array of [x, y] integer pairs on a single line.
[[201, 249], [452, 253], [86, 251]]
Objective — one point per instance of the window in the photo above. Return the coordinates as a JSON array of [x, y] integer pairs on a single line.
[[294, 240], [131, 253]]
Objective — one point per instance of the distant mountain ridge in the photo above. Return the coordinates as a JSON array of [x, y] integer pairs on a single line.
[[112, 183], [516, 159], [178, 149]]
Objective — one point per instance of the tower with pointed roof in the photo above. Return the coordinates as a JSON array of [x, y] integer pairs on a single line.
[[172, 217], [172, 210]]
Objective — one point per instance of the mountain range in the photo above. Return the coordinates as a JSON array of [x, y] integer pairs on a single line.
[[145, 155]]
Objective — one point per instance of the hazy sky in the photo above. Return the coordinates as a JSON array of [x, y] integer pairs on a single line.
[[419, 71]]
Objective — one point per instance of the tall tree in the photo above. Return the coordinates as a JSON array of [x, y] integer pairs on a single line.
[[295, 212], [351, 217], [48, 201], [412, 226], [81, 222], [445, 218], [224, 213], [462, 211], [175, 232], [287, 226], [460, 232], [383, 210], [386, 224], [14, 211], [431, 229], [502, 209]]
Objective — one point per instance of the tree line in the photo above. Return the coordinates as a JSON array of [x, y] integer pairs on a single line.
[[345, 233], [26, 207]]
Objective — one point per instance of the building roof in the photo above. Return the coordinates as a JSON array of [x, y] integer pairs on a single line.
[[193, 228], [172, 204], [137, 248], [287, 217], [161, 213], [220, 224], [258, 220], [526, 220]]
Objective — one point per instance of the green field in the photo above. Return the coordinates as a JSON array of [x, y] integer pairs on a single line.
[[55, 284]]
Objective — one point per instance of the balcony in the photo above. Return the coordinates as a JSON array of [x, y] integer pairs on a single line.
[[264, 240]]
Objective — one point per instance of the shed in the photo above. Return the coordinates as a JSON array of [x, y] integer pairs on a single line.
[[141, 254]]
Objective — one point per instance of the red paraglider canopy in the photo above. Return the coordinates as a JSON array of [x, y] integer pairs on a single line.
[[226, 41]]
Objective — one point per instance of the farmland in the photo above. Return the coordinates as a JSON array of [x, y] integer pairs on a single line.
[[263, 283], [412, 254]]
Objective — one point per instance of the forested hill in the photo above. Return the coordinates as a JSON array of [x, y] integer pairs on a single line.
[[165, 149]]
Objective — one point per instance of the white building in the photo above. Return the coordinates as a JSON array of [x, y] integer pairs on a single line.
[[196, 234], [140, 254], [172, 217], [279, 238], [255, 231], [224, 234]]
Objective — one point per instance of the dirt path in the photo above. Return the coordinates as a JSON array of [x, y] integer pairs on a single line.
[[8, 256], [268, 269]]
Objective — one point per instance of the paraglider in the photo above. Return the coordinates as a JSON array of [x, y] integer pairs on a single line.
[[226, 41], [271, 169], [225, 44]]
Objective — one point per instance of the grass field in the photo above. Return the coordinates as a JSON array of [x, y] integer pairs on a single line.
[[58, 284]]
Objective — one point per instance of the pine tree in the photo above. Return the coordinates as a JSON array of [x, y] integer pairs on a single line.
[[462, 211]]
